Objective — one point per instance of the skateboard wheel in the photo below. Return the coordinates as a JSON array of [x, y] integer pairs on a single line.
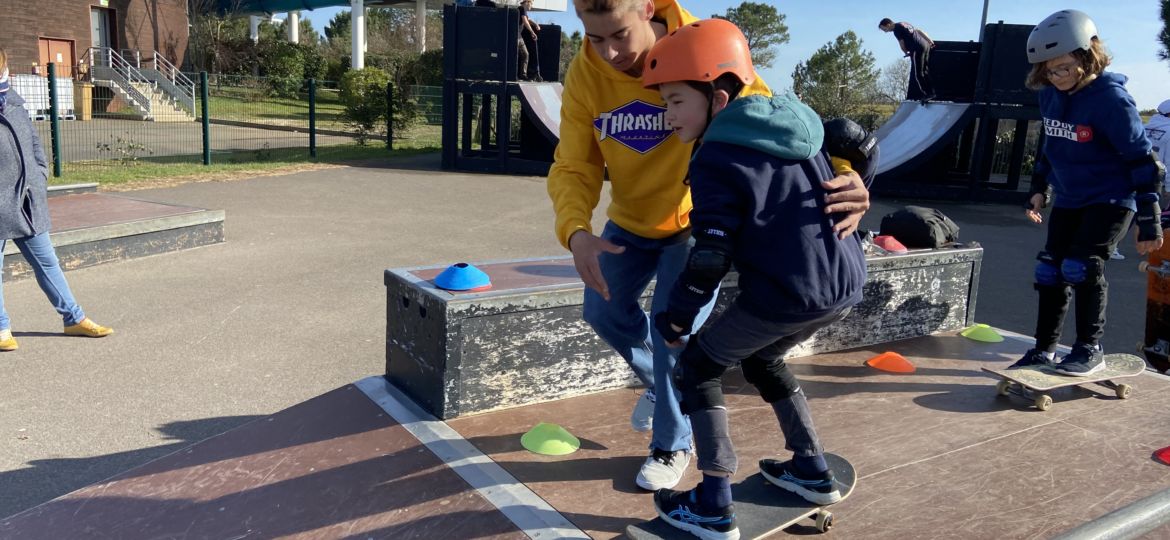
[[1002, 387], [824, 521], [1143, 266], [1043, 402], [1123, 391]]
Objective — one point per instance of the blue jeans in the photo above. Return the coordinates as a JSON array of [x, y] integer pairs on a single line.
[[623, 324], [38, 251]]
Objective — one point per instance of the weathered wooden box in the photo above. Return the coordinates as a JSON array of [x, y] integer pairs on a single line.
[[524, 341]]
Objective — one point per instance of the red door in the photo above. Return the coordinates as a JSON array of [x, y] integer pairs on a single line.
[[59, 51]]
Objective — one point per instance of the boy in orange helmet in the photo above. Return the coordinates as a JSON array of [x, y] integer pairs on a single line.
[[614, 129], [758, 203]]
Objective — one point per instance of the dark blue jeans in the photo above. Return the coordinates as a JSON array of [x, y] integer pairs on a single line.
[[625, 326]]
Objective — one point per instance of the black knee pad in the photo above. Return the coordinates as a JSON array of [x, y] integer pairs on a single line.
[[699, 379], [770, 377], [1081, 270]]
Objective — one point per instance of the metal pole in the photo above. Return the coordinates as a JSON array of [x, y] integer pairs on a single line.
[[390, 115], [206, 118], [1131, 521], [54, 122], [983, 22], [313, 118]]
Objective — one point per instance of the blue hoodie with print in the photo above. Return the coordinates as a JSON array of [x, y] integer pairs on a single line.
[[1092, 139], [756, 187]]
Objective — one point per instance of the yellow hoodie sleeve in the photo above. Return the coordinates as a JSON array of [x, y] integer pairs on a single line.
[[577, 174]]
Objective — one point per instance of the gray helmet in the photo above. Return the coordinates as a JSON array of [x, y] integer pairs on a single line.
[[1059, 34]]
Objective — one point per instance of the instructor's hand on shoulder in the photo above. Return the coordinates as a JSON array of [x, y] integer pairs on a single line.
[[586, 247], [848, 195]]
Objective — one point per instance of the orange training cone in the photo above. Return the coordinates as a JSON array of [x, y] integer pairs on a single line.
[[891, 362]]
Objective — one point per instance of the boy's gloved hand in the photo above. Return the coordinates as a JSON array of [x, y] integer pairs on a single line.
[[1149, 223], [671, 332]]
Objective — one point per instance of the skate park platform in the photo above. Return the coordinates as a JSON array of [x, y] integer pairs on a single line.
[[91, 228], [938, 453]]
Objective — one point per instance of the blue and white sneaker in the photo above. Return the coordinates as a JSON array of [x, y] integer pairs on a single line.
[[1034, 358], [1082, 361], [821, 489], [681, 509]]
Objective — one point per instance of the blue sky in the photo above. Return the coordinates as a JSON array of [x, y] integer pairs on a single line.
[[1129, 28]]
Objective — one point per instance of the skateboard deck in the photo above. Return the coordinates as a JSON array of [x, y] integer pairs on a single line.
[[762, 509], [1039, 380], [1156, 343]]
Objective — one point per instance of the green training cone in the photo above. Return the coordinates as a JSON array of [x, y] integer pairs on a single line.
[[550, 440], [982, 332]]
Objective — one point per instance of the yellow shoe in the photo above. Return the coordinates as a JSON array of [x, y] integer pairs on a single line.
[[7, 342], [88, 328]]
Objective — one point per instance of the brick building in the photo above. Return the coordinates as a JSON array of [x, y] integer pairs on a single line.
[[42, 31]]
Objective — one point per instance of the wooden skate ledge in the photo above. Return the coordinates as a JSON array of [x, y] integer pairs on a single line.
[[523, 341]]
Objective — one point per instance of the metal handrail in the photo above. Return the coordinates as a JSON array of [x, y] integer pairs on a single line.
[[124, 73], [174, 82]]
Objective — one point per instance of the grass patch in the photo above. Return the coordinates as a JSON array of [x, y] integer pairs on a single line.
[[117, 175], [254, 105]]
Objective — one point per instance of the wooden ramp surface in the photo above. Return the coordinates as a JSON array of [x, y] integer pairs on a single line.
[[938, 455]]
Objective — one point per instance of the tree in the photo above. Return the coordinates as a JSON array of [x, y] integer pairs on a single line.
[[218, 42], [764, 28], [838, 79], [891, 86], [1164, 35], [569, 47]]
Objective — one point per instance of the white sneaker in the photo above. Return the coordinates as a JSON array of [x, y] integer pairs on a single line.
[[642, 419], [1116, 256], [663, 469]]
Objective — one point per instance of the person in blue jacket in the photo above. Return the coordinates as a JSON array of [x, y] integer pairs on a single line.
[[758, 203], [1098, 165]]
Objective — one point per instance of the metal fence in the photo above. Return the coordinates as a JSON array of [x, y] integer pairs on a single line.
[[110, 114]]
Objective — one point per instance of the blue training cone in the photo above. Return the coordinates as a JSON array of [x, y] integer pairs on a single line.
[[463, 277]]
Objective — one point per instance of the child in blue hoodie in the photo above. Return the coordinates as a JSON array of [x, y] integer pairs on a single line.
[[1098, 163], [758, 203]]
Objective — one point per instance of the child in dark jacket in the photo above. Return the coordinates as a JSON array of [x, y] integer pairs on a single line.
[[758, 203], [1099, 165]]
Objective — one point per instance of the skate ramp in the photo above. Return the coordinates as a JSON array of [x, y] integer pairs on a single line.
[[542, 105], [917, 132]]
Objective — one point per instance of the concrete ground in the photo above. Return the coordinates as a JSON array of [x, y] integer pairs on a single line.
[[80, 140], [293, 305]]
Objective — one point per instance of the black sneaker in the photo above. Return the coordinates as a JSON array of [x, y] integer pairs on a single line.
[[821, 489], [1034, 358], [681, 509], [1084, 360]]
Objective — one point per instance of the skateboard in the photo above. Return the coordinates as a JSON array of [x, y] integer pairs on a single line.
[[1032, 383], [1156, 345], [761, 508]]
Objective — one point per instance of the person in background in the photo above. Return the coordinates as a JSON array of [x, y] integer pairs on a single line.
[[529, 33], [24, 214], [916, 44]]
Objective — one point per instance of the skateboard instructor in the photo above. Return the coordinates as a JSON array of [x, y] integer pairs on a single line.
[[612, 127]]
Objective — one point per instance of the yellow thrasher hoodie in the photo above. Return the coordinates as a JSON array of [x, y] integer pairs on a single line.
[[609, 122]]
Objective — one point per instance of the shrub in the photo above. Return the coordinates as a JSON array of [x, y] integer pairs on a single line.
[[363, 92], [282, 63]]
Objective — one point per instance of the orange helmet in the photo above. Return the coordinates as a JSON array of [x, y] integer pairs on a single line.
[[700, 51]]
